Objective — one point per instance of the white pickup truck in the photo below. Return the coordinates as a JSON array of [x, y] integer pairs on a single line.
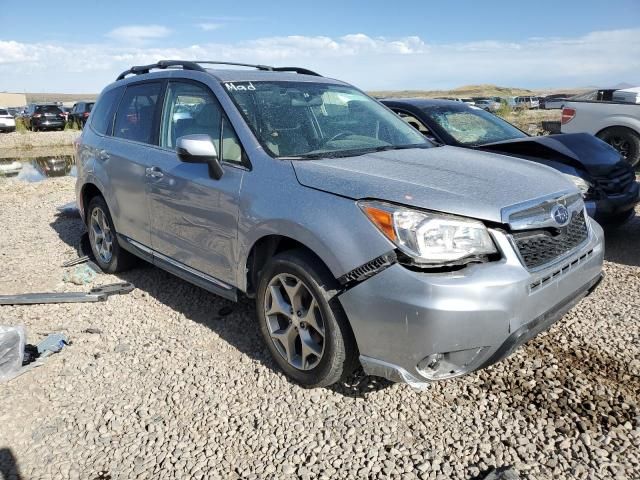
[[615, 122]]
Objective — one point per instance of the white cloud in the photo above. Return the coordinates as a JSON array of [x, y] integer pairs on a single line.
[[138, 33], [597, 58], [209, 27]]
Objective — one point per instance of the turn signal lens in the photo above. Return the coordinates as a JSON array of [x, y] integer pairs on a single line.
[[381, 219]]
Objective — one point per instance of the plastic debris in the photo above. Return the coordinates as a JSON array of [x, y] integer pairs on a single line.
[[53, 343], [76, 261], [70, 209], [81, 275], [96, 294], [503, 473], [31, 354], [12, 340]]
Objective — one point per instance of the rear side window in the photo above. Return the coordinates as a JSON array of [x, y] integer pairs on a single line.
[[3, 112], [137, 112], [102, 117]]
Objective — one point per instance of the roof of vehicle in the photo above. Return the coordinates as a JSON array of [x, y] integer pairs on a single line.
[[239, 73]]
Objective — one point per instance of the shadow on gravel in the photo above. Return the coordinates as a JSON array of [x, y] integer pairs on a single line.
[[8, 465], [235, 323], [622, 244]]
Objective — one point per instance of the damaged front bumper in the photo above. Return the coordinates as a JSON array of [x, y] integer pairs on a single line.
[[417, 327]]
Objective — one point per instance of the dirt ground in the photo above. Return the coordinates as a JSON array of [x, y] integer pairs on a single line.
[[170, 381]]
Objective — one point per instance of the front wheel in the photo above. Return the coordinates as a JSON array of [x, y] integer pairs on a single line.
[[304, 326]]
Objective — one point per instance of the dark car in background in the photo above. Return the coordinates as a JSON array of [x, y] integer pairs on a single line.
[[43, 117], [606, 181], [80, 114]]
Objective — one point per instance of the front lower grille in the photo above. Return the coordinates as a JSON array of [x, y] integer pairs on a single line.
[[617, 181], [540, 247]]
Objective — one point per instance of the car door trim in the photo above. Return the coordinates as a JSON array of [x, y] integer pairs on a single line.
[[179, 269]]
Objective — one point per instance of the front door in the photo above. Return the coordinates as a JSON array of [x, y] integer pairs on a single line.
[[194, 218]]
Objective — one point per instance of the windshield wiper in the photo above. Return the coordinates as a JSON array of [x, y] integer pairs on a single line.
[[353, 153]]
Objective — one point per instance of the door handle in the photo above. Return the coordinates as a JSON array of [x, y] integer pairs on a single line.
[[154, 172]]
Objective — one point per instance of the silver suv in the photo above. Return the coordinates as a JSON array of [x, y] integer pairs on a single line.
[[361, 241]]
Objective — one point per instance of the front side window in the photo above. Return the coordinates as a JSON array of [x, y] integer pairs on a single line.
[[102, 118], [191, 109], [314, 120], [472, 125], [136, 113]]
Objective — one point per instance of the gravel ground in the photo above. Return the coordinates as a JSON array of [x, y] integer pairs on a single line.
[[28, 140], [174, 386]]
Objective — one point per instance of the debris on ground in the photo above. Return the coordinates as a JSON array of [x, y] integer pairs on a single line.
[[53, 343], [12, 340], [96, 294], [92, 330], [76, 261], [81, 275], [69, 209], [503, 473]]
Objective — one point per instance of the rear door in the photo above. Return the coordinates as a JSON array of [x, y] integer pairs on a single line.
[[127, 154], [194, 218]]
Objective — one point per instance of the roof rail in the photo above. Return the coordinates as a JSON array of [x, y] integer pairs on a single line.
[[162, 64], [268, 68]]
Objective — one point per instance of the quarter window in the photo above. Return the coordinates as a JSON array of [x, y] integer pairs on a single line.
[[137, 111], [102, 118], [191, 109]]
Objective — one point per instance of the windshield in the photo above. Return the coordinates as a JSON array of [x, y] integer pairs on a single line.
[[315, 120], [473, 126]]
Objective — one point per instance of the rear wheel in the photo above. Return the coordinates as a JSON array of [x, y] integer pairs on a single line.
[[103, 238], [302, 323], [625, 140]]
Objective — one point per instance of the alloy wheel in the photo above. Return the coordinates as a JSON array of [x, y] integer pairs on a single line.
[[294, 321], [100, 235]]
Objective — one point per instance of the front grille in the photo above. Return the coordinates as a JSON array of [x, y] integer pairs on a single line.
[[540, 247], [617, 181]]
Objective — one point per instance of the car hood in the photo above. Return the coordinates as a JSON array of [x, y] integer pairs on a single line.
[[447, 179], [579, 150]]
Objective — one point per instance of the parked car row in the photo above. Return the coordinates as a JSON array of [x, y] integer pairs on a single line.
[[46, 116], [362, 241]]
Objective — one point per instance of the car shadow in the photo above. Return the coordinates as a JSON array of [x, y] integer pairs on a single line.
[[8, 465], [622, 244], [236, 323]]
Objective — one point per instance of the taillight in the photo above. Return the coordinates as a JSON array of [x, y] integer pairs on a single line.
[[567, 115], [37, 115], [85, 114]]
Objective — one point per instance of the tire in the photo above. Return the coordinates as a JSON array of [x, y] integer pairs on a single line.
[[625, 140], [331, 352], [103, 239]]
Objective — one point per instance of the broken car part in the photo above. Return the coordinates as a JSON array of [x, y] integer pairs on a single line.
[[97, 294]]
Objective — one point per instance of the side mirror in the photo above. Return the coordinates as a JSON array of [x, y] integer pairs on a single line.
[[200, 149]]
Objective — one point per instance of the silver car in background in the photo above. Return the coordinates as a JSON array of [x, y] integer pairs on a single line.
[[361, 241]]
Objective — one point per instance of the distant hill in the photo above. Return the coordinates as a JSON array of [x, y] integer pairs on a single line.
[[486, 90], [59, 97]]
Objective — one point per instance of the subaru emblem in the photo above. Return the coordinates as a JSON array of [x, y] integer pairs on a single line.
[[560, 215]]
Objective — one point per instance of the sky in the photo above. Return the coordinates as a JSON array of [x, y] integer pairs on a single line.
[[81, 46]]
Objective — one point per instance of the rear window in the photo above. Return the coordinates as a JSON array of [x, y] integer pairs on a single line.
[[90, 106], [48, 109], [102, 116]]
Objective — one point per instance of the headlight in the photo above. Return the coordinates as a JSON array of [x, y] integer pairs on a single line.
[[429, 238], [579, 182]]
